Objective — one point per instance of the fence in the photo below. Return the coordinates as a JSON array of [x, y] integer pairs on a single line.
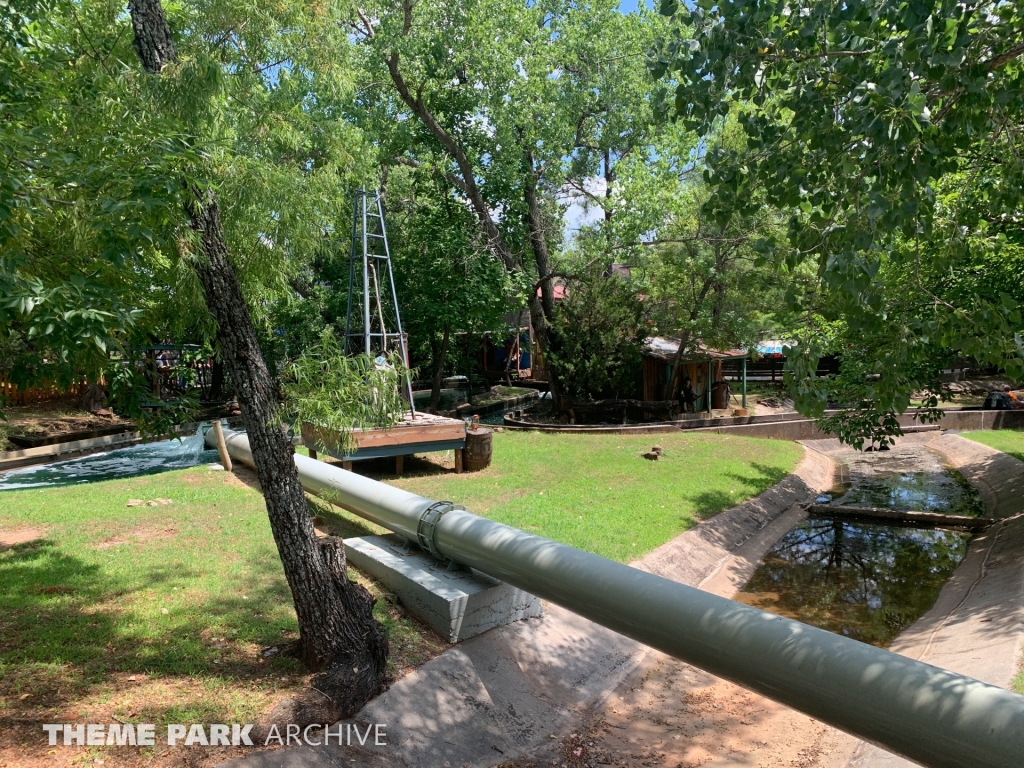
[[11, 395]]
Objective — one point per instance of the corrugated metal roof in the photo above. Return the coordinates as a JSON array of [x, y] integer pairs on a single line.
[[666, 348]]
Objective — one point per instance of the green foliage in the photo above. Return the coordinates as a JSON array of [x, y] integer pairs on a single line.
[[131, 395], [889, 134], [706, 283], [336, 393], [444, 274], [706, 280], [521, 108], [600, 325], [57, 330], [97, 249], [563, 82]]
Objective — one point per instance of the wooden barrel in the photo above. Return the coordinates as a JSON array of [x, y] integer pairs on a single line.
[[477, 453]]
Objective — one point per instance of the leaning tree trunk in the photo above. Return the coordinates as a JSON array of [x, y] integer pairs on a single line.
[[542, 308], [338, 635]]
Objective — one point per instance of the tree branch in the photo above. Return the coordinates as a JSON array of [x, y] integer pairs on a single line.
[[472, 191], [410, 163], [1004, 58]]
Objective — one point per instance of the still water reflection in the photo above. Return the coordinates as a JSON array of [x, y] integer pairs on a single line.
[[867, 581]]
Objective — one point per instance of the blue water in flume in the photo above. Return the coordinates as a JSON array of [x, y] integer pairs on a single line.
[[147, 459]]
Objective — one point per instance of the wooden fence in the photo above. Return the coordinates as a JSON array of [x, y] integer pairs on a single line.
[[11, 396]]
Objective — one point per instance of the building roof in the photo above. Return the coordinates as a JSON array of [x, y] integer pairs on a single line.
[[557, 291], [665, 349]]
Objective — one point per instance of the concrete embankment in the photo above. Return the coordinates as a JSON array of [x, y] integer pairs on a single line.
[[976, 626], [786, 426]]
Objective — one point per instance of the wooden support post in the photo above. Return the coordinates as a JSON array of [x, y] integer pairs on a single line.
[[222, 447], [744, 382], [312, 453], [458, 461], [346, 465], [399, 464]]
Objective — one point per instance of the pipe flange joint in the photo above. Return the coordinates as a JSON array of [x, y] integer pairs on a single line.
[[427, 525]]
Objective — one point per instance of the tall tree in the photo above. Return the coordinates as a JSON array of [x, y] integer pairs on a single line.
[[516, 97], [450, 281], [339, 637], [891, 135]]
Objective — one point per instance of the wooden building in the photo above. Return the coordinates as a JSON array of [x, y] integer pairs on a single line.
[[703, 367]]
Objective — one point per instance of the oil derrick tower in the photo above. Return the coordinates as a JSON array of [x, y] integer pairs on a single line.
[[373, 325]]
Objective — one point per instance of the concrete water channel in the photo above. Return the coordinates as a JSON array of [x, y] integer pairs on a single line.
[[866, 579]]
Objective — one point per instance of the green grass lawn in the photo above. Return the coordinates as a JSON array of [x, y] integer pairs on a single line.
[[151, 614], [1009, 441], [595, 492], [158, 613]]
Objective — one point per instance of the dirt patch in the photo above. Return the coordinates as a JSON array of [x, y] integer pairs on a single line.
[[243, 475], [672, 715], [13, 537], [53, 417]]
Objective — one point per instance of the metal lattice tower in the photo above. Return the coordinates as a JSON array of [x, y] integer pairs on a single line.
[[372, 300]]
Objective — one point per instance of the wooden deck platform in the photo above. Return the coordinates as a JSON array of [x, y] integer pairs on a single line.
[[424, 434]]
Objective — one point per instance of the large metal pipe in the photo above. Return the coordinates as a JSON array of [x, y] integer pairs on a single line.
[[926, 714]]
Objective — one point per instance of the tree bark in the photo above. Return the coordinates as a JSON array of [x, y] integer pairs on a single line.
[[216, 379], [542, 310], [339, 637], [435, 389]]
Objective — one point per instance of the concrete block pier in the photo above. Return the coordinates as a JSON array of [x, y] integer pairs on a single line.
[[457, 604]]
